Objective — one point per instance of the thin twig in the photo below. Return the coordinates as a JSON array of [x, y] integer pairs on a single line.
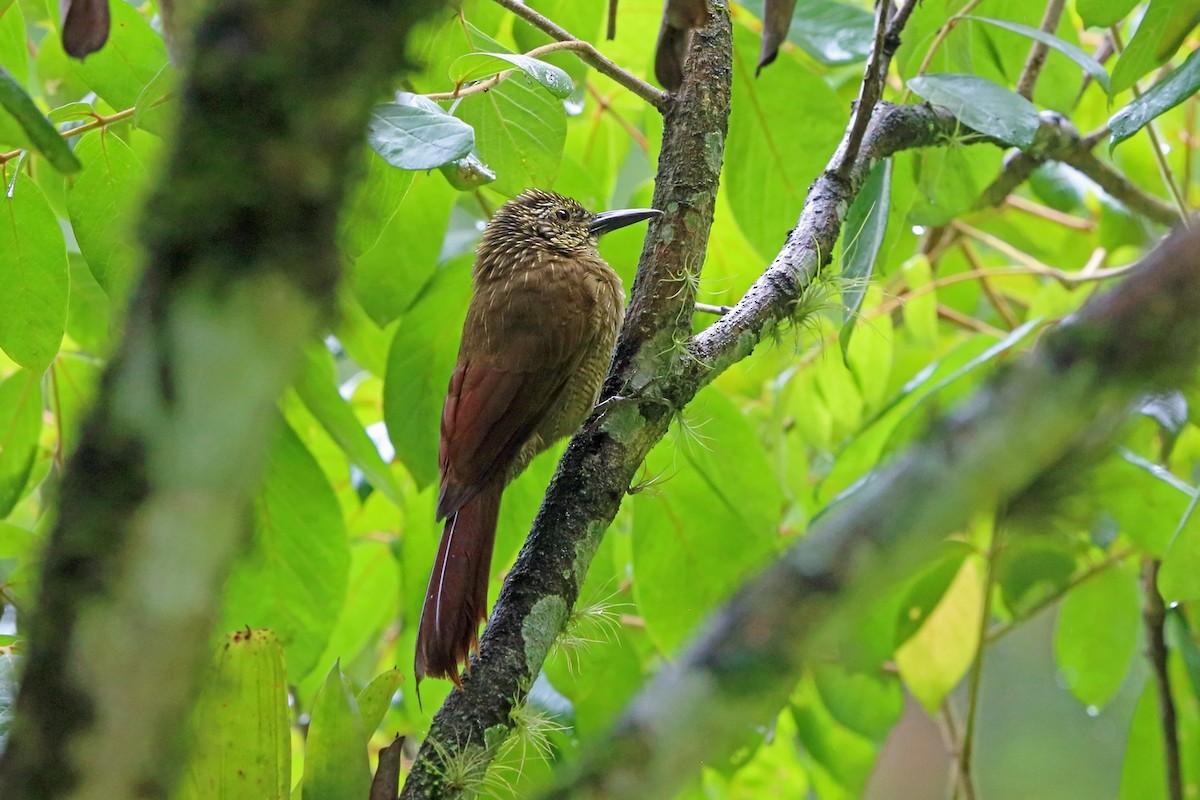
[[1154, 615], [604, 106], [1021, 257], [99, 121], [708, 308], [1018, 203], [1037, 53], [967, 321], [869, 92], [994, 297], [588, 53]]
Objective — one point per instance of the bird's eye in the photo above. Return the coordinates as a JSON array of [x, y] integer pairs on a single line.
[[562, 214]]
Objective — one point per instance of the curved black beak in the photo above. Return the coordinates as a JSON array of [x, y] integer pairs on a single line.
[[611, 220]]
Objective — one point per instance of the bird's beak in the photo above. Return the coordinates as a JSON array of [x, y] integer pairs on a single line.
[[611, 220]]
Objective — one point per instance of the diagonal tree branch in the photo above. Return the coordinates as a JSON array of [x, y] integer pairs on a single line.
[[241, 265], [1077, 388]]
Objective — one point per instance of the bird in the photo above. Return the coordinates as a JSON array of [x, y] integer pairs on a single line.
[[537, 341]]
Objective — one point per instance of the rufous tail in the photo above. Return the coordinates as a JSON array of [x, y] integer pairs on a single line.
[[456, 600]]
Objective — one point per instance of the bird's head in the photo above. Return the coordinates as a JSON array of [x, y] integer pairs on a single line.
[[549, 221]]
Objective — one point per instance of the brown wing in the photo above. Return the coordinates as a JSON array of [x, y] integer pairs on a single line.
[[522, 342]]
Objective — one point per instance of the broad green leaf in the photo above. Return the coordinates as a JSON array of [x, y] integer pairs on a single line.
[[20, 425], [583, 20], [981, 104], [1030, 569], [387, 278], [937, 656], [520, 129], [128, 62], [864, 230], [1089, 64], [709, 520], [1145, 500], [1158, 35], [776, 146], [867, 703], [839, 759], [1142, 771], [240, 746], [74, 378], [335, 753], [1097, 634], [415, 133], [772, 771], [418, 370], [316, 387], [833, 33], [373, 204], [101, 205], [926, 590], [1179, 576], [372, 597], [42, 135], [474, 66], [293, 579], [1172, 90], [73, 112], [1103, 13], [33, 277], [14, 57], [151, 111]]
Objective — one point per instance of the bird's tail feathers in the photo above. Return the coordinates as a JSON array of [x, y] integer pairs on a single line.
[[456, 599]]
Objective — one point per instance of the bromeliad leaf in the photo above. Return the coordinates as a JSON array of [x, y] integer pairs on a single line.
[[981, 104], [415, 133], [866, 225], [473, 66]]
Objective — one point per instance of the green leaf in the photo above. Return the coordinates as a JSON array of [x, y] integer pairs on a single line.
[[376, 697], [1179, 575], [415, 133], [335, 753], [373, 204], [41, 133], [1172, 90], [418, 370], [981, 104], [20, 426], [33, 277], [865, 228], [387, 278], [1142, 773], [128, 62], [833, 33], [101, 206], [293, 579], [1145, 500], [709, 521], [868, 703], [75, 378], [151, 112], [776, 146], [1103, 13], [920, 307], [73, 112], [1089, 64], [317, 388], [1096, 635], [520, 130], [1158, 35], [935, 658], [474, 66], [240, 746]]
